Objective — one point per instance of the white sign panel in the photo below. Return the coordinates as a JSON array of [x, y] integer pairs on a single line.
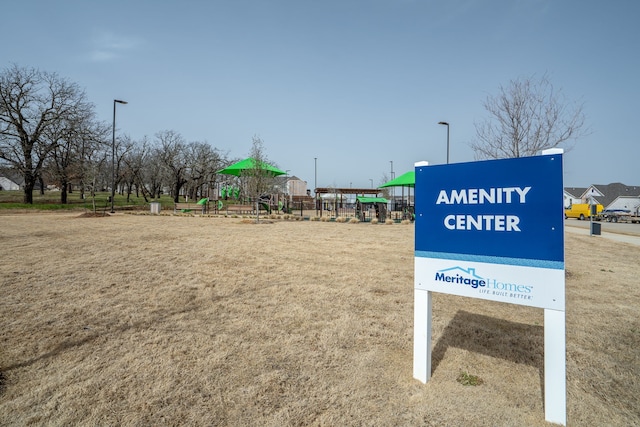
[[530, 286]]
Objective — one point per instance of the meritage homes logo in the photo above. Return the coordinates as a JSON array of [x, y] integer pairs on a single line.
[[468, 277]]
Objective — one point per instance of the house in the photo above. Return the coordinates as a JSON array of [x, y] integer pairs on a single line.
[[628, 203], [610, 195], [573, 195], [8, 183], [291, 185]]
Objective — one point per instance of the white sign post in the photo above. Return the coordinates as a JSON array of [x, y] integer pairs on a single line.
[[494, 230]]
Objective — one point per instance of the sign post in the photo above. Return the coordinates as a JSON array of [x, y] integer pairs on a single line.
[[494, 230]]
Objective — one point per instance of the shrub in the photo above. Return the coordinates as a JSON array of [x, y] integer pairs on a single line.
[[374, 220], [354, 221], [389, 221], [341, 219], [467, 379]]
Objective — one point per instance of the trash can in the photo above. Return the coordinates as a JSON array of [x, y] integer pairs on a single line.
[[155, 207], [595, 228]]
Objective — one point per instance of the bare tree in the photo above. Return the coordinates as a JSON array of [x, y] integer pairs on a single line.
[[203, 162], [74, 138], [385, 191], [124, 146], [133, 163], [526, 117], [93, 142], [32, 104], [172, 152], [258, 180], [94, 170], [154, 175], [144, 169]]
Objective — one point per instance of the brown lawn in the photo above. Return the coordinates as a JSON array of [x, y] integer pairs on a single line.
[[180, 320]]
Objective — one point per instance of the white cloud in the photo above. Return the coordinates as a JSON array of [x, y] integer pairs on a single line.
[[108, 46], [102, 56]]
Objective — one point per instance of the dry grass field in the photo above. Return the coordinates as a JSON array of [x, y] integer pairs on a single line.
[[181, 320]]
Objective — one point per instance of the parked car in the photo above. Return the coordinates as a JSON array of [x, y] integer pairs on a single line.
[[582, 211]]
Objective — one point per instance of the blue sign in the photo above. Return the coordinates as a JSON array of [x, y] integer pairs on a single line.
[[498, 211], [494, 230]]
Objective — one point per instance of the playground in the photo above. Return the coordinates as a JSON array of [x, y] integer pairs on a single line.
[[249, 182], [198, 320], [330, 204]]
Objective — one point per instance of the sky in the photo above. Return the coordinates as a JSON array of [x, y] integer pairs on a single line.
[[341, 91]]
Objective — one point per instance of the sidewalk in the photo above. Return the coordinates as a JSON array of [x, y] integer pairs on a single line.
[[626, 238]]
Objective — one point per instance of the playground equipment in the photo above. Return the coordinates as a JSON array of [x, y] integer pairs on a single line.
[[366, 204]]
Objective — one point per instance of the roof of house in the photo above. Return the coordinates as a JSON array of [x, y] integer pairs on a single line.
[[281, 179], [610, 192], [575, 191], [12, 176]]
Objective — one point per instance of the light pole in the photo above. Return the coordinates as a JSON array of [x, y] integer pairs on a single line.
[[286, 180], [113, 153], [393, 190], [315, 183], [288, 193], [371, 182], [447, 125]]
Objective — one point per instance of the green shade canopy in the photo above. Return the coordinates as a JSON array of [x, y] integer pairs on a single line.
[[405, 180], [363, 199], [249, 163]]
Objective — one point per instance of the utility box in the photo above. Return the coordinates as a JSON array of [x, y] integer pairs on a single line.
[[595, 228], [155, 208]]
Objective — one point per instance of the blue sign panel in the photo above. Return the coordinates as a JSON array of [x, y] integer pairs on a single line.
[[498, 211]]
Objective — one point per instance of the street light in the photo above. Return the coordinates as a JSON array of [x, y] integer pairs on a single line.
[[286, 181], [371, 182], [393, 189], [113, 153], [447, 125], [288, 192]]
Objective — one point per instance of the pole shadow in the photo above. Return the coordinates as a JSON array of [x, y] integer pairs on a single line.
[[66, 345], [510, 341]]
